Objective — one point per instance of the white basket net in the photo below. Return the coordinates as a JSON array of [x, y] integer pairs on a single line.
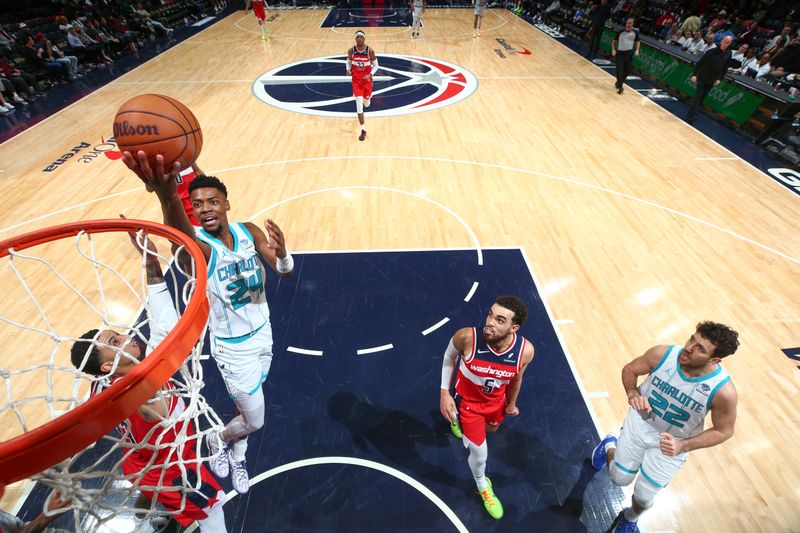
[[54, 293]]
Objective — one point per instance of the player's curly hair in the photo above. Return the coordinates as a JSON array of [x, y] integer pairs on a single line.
[[78, 352], [512, 303], [203, 181], [724, 339]]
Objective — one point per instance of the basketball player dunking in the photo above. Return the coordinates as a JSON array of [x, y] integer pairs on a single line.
[[361, 65], [489, 378], [240, 327]]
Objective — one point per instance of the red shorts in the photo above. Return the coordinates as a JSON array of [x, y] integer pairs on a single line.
[[362, 87], [258, 9], [475, 415], [193, 503]]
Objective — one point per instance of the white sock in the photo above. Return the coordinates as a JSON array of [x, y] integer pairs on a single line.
[[610, 446], [238, 450], [367, 102], [363, 127]]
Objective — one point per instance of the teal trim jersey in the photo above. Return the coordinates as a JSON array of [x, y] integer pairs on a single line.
[[235, 285], [680, 403]]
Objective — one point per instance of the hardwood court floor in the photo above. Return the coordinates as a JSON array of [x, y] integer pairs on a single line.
[[636, 225]]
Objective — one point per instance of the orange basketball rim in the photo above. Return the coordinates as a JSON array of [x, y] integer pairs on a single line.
[[32, 452]]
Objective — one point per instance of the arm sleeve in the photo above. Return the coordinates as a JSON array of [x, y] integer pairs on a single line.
[[349, 64], [163, 315], [374, 65], [448, 365]]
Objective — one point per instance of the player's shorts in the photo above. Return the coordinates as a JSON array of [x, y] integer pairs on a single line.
[[244, 364], [258, 9], [474, 416], [362, 87], [417, 13], [480, 9], [190, 505], [638, 451]]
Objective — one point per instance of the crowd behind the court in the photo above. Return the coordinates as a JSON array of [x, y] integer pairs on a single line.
[[766, 33], [46, 44]]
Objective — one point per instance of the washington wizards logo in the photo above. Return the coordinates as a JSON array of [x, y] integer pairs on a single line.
[[402, 85]]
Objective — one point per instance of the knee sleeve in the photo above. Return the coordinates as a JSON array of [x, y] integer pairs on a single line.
[[251, 417], [477, 457], [644, 492], [359, 104], [620, 476]]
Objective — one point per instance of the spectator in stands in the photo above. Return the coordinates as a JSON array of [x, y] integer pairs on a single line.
[[84, 47], [123, 32], [760, 68], [698, 45], [664, 22], [692, 23], [686, 40], [54, 53], [6, 43], [788, 59], [549, 11], [62, 22], [674, 34], [779, 41], [35, 59], [5, 108], [748, 62], [150, 22], [598, 16], [22, 82], [738, 55], [708, 73]]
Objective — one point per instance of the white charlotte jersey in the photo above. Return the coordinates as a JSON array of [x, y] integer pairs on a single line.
[[235, 285], [680, 403]]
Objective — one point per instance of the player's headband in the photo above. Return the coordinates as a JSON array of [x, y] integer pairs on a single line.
[[361, 33]]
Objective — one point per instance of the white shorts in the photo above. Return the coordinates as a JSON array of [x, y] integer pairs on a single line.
[[480, 9], [244, 365], [638, 451], [417, 13]]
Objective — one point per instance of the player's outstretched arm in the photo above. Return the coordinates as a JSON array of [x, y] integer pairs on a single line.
[[272, 247], [140, 242], [164, 184]]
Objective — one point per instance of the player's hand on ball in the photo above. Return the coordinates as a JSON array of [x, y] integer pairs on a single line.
[[512, 410], [154, 179], [670, 445]]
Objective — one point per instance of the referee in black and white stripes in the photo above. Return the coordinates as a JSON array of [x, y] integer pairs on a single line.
[[622, 48]]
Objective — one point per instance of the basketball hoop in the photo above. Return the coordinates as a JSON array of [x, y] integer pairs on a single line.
[[101, 289]]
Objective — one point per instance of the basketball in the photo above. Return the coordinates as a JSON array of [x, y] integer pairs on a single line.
[[158, 124]]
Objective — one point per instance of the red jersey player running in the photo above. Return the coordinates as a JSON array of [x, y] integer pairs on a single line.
[[361, 65], [487, 385], [258, 10]]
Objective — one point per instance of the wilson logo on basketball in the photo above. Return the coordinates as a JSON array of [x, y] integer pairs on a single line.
[[402, 85], [124, 128]]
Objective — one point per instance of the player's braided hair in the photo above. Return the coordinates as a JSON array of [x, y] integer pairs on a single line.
[[79, 349]]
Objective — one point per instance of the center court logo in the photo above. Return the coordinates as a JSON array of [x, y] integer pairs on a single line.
[[403, 85]]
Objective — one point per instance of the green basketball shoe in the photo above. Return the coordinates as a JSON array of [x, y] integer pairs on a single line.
[[490, 501]]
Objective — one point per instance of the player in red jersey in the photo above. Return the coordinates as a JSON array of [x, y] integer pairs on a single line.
[[487, 385], [155, 464], [258, 9], [184, 179], [362, 63]]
